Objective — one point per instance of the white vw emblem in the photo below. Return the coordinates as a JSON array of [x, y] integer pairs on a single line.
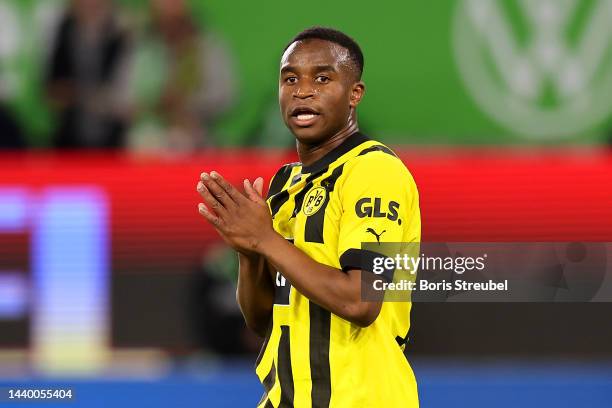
[[547, 78]]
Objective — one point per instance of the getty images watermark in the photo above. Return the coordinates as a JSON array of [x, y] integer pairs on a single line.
[[487, 272], [412, 264]]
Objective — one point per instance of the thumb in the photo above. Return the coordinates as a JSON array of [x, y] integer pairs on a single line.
[[252, 193]]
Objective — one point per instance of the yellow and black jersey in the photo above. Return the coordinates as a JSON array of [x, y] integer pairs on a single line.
[[358, 192]]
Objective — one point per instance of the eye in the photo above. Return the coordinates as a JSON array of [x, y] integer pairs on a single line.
[[291, 80], [322, 79]]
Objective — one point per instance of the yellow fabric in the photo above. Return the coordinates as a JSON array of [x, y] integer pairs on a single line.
[[367, 367]]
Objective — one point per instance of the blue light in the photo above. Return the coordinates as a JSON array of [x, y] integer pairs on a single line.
[[70, 251], [13, 209], [13, 286], [13, 295]]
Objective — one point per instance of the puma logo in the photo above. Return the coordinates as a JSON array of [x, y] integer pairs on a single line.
[[371, 231]]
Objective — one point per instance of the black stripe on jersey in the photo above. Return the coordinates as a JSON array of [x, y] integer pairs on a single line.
[[349, 144], [267, 383], [313, 230], [280, 199], [268, 404], [279, 179], [377, 148], [401, 341], [277, 201], [299, 197], [276, 196], [265, 344], [285, 375], [320, 326]]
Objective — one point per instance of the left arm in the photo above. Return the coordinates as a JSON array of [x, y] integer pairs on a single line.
[[335, 290]]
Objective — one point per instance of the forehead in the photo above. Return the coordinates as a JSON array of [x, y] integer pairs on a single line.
[[314, 52]]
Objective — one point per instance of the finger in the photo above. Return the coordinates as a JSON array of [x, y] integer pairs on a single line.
[[217, 191], [258, 186], [210, 217], [252, 193], [229, 189], [211, 200]]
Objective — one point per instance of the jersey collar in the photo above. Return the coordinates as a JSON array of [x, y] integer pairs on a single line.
[[350, 143]]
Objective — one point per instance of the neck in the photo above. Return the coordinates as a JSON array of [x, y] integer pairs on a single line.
[[310, 153]]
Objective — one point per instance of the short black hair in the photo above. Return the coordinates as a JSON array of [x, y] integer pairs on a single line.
[[335, 36]]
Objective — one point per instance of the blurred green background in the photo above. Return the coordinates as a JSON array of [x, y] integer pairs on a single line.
[[417, 90]]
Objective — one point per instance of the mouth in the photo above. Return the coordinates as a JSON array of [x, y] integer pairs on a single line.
[[304, 116]]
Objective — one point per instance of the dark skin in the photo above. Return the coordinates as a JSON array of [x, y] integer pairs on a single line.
[[318, 75], [319, 90]]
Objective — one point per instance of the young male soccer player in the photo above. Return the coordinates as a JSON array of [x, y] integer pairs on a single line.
[[300, 251]]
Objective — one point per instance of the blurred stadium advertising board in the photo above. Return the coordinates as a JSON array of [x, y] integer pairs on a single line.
[[71, 224]]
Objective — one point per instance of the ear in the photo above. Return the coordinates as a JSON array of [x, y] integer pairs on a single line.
[[357, 93]]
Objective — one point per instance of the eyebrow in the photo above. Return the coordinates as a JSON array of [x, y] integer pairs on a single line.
[[317, 68]]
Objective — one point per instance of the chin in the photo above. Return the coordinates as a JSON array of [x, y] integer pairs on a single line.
[[308, 135]]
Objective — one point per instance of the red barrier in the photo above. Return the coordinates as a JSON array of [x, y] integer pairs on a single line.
[[466, 195]]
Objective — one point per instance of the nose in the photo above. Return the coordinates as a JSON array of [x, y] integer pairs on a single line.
[[303, 92]]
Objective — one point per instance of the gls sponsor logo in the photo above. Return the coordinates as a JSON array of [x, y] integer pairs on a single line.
[[368, 207]]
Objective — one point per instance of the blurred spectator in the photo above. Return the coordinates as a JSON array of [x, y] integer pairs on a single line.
[[86, 77], [183, 81], [216, 320], [11, 136]]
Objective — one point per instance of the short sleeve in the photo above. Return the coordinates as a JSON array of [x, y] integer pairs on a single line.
[[379, 202]]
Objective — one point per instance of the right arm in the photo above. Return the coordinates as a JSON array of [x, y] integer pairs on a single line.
[[255, 289], [255, 292]]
